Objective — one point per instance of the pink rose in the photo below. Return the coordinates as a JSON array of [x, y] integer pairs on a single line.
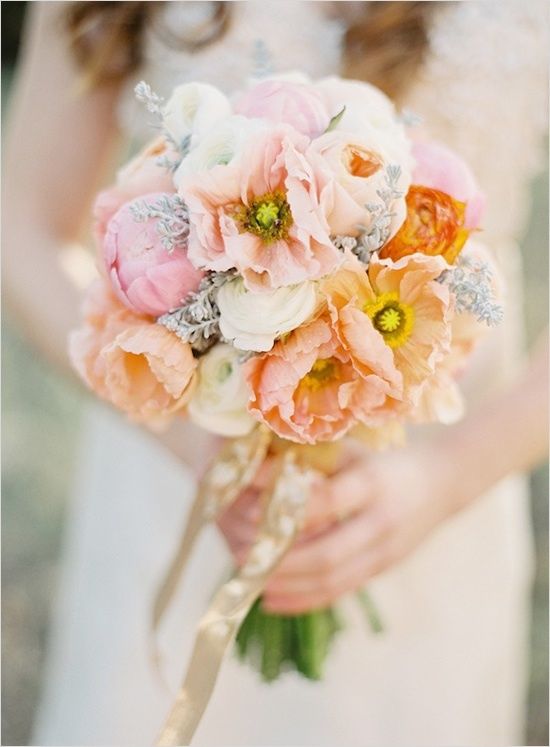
[[140, 176], [284, 102], [136, 365], [147, 276], [437, 167]]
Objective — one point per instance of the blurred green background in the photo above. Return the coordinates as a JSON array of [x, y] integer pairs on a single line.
[[41, 419]]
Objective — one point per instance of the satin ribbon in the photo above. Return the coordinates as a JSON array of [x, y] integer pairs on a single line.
[[282, 519], [233, 470]]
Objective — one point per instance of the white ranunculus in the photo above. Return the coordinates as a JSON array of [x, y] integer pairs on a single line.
[[193, 109], [367, 109], [254, 320], [219, 146], [219, 402]]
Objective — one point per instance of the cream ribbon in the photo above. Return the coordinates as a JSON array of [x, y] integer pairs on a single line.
[[283, 517], [233, 470]]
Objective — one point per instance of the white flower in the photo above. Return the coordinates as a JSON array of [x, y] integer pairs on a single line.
[[219, 402], [367, 110], [254, 320], [219, 146], [193, 109]]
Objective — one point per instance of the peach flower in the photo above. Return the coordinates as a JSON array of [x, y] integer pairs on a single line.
[[393, 320], [140, 176], [133, 363], [441, 399], [306, 388], [262, 214], [356, 167]]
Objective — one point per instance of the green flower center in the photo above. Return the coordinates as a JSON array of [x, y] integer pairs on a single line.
[[267, 216]]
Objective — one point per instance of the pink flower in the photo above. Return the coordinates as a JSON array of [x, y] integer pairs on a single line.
[[437, 167], [142, 175], [306, 388], [262, 214], [136, 365], [148, 277], [285, 102]]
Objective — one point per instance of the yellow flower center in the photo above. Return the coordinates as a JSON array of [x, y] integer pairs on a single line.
[[322, 372], [392, 318], [267, 216]]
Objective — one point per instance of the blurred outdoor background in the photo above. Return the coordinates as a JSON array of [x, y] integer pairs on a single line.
[[41, 421]]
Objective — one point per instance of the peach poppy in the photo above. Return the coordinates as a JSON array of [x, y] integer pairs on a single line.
[[128, 360], [393, 320], [306, 388]]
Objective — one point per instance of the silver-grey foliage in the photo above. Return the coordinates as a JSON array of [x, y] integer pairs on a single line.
[[197, 320], [470, 281], [172, 219], [373, 238]]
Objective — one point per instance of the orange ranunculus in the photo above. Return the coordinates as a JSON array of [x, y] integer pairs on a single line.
[[434, 225]]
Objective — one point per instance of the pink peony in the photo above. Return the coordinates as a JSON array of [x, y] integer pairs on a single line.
[[284, 102], [437, 167], [148, 277], [306, 388], [136, 365], [142, 175], [262, 214]]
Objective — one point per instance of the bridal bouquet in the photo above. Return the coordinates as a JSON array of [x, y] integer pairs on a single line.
[[292, 259]]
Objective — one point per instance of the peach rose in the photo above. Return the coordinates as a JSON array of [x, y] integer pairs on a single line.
[[128, 360], [356, 174], [306, 388]]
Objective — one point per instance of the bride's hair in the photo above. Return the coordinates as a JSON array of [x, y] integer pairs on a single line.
[[385, 42]]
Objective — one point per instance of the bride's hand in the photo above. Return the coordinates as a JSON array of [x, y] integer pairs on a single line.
[[367, 517]]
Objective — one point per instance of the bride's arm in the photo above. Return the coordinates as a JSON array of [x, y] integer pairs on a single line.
[[58, 146]]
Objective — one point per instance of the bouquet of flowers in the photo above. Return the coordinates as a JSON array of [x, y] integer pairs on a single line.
[[296, 262]]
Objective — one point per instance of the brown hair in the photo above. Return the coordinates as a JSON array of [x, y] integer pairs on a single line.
[[385, 43]]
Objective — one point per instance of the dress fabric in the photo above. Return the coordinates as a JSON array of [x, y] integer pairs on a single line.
[[451, 667]]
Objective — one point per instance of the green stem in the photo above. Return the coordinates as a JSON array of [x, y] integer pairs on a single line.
[[371, 611]]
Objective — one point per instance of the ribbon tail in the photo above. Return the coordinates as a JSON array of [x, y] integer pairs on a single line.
[[231, 472], [283, 517]]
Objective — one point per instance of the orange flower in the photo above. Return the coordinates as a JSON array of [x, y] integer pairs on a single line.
[[434, 225]]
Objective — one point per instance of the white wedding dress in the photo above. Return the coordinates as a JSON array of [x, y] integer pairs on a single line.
[[451, 667]]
